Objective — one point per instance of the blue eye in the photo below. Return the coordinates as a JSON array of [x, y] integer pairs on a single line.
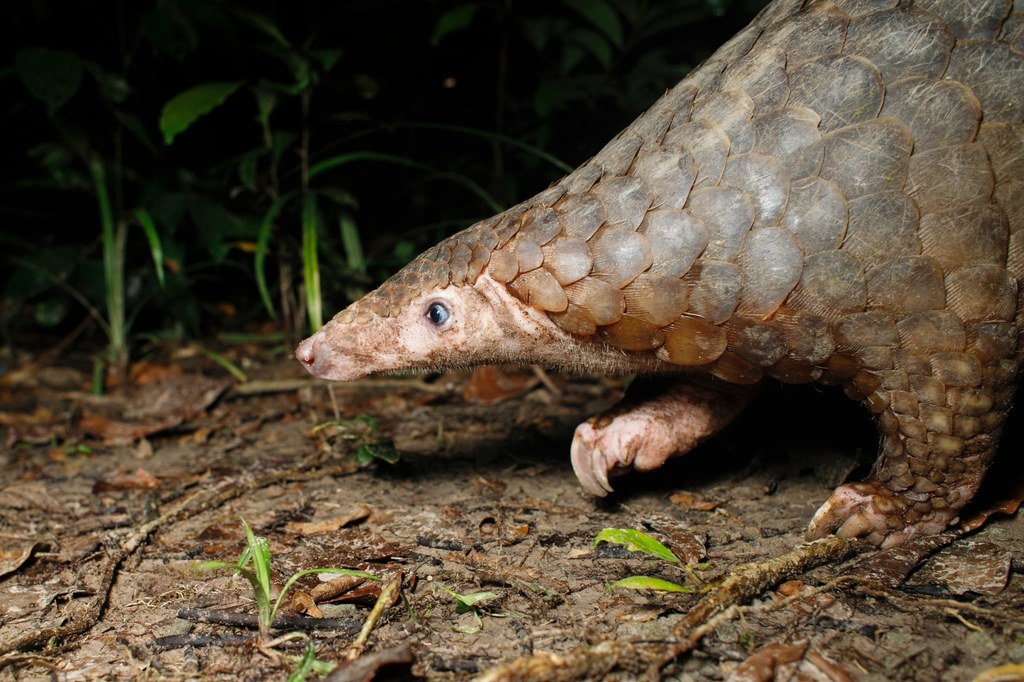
[[438, 313]]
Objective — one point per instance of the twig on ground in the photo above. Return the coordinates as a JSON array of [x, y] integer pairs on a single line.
[[251, 621], [386, 598], [83, 619]]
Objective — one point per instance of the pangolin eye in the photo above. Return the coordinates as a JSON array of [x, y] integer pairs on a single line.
[[438, 313]]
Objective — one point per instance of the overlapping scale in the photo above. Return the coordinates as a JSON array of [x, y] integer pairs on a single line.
[[761, 74], [868, 157], [619, 256], [841, 89], [765, 180], [819, 30], [996, 75], [540, 289], [676, 238], [568, 259], [656, 299], [884, 38], [958, 175], [715, 288], [625, 201], [816, 214], [727, 214], [666, 174], [975, 20], [732, 110], [707, 143], [600, 302], [977, 235], [937, 112], [881, 227], [791, 135], [770, 265]]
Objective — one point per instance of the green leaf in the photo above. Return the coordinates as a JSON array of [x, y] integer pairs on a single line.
[[156, 249], [474, 598], [283, 140], [113, 87], [311, 261], [49, 311], [643, 582], [603, 16], [340, 196], [352, 244], [471, 600], [266, 102], [635, 541], [455, 19], [133, 125], [468, 629], [247, 169], [51, 76], [185, 108], [594, 43], [327, 57], [367, 452], [263, 24], [214, 225]]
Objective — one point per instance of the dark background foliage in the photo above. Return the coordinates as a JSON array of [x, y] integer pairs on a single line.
[[424, 116]]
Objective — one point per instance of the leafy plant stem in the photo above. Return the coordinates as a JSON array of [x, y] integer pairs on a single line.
[[310, 255], [113, 238]]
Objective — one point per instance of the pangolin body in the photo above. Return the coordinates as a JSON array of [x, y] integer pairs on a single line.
[[835, 196]]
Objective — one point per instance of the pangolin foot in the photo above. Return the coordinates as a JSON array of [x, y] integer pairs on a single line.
[[878, 515], [603, 447]]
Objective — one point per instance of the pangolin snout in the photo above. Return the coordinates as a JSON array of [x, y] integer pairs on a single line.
[[306, 353]]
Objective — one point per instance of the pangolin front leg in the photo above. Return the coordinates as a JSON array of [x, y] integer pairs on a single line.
[[650, 426]]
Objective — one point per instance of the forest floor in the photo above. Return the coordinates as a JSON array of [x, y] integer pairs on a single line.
[[479, 533]]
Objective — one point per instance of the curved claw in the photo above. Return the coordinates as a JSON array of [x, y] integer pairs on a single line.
[[588, 461], [869, 513]]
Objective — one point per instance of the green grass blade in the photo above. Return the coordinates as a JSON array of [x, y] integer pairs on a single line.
[[156, 248], [351, 157], [495, 137], [259, 551], [311, 262], [353, 245], [231, 368], [305, 666], [260, 256], [113, 239], [635, 541]]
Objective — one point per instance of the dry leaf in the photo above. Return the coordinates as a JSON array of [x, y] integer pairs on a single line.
[[303, 603], [355, 514], [488, 385], [14, 552], [969, 566], [762, 665], [690, 501], [140, 479]]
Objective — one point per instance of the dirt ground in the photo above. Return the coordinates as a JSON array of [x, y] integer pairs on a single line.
[[101, 541]]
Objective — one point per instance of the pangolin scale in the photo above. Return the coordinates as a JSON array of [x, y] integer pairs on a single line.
[[835, 196]]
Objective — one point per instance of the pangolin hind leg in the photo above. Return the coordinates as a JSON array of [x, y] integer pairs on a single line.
[[939, 432]]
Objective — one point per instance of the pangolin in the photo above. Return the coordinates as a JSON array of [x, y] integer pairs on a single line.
[[836, 196]]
